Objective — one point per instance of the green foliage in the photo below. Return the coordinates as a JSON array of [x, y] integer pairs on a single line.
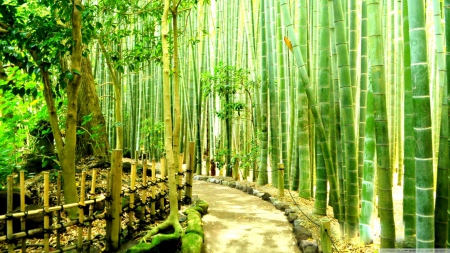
[[248, 158], [21, 105], [154, 134], [227, 81]]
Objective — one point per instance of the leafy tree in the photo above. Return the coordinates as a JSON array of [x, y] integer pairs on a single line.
[[35, 37]]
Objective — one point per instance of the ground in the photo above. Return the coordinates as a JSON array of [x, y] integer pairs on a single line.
[[290, 197]]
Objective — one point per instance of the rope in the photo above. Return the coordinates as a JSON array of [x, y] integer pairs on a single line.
[[315, 223]]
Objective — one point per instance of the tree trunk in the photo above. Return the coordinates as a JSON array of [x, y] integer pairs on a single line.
[[94, 141]]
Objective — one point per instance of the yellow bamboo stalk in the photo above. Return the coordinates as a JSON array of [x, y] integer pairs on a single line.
[[153, 211], [81, 211], [144, 183], [91, 207], [132, 184], [9, 208], [46, 210], [22, 209]]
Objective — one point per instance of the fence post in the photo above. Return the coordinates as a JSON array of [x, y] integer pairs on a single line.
[[9, 206], [115, 185], [144, 184], [46, 206], [22, 208], [153, 211], [162, 187], [180, 180], [81, 212], [325, 236], [280, 180], [91, 207], [190, 162], [131, 203]]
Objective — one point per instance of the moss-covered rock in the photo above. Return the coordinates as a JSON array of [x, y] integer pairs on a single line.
[[203, 205], [192, 240], [191, 243], [194, 224]]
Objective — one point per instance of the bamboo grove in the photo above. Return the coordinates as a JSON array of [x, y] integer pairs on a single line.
[[351, 96]]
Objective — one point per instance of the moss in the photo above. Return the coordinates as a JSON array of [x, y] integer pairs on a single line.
[[191, 243], [203, 205], [194, 224], [141, 247]]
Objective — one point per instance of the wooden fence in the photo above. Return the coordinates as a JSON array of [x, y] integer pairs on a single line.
[[141, 195]]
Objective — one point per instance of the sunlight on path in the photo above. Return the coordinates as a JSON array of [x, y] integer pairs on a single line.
[[238, 222]]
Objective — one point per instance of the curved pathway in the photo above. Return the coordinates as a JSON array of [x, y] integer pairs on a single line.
[[242, 223]]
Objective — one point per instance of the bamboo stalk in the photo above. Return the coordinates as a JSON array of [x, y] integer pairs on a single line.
[[180, 180], [9, 209], [280, 180], [162, 188], [144, 183], [152, 212], [58, 215], [81, 212], [46, 210], [22, 208], [115, 186], [91, 207], [132, 184]]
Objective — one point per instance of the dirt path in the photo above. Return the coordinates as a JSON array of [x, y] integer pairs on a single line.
[[238, 222]]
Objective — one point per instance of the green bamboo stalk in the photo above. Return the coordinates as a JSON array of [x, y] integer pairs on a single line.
[[368, 187], [303, 133], [313, 105], [324, 98], [422, 126], [263, 122], [336, 143], [282, 51], [376, 59], [447, 61], [353, 42], [273, 93], [348, 122], [363, 93], [441, 215]]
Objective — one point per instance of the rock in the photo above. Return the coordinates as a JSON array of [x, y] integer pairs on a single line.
[[298, 222], [211, 180], [250, 190], [308, 246], [266, 196], [239, 186], [203, 178], [196, 177], [263, 195], [272, 200], [34, 164], [255, 192], [301, 233], [224, 182], [181, 217], [282, 206], [191, 242], [232, 184], [288, 211], [292, 217], [244, 188]]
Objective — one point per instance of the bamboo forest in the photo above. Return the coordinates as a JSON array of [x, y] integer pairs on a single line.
[[117, 118]]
